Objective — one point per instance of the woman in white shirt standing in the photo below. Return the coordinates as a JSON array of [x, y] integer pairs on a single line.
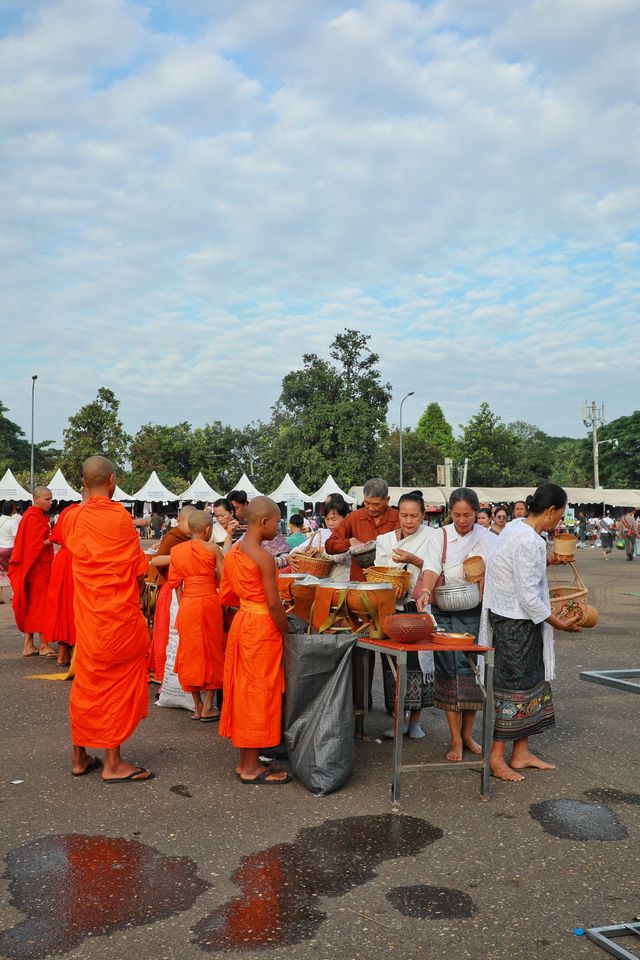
[[9, 521], [406, 548], [457, 692], [518, 622]]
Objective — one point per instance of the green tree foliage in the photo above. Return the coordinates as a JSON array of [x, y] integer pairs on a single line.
[[15, 452], [419, 459], [330, 417], [492, 449], [168, 450], [94, 429], [434, 430], [619, 465]]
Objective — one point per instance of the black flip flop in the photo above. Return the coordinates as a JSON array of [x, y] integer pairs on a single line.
[[209, 719], [132, 778], [261, 779], [95, 764]]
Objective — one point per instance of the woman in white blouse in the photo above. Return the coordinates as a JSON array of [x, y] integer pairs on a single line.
[[406, 548], [457, 692], [335, 514], [9, 521], [518, 622]]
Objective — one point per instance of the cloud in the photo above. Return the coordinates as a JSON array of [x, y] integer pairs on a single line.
[[196, 194]]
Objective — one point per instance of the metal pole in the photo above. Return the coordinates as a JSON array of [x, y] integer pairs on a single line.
[[410, 394], [33, 391], [596, 464]]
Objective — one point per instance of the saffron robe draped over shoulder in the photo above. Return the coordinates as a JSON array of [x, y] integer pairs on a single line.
[[109, 693], [60, 624], [200, 657], [253, 674], [30, 570]]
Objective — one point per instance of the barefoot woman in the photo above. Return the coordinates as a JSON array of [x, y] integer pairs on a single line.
[[517, 610]]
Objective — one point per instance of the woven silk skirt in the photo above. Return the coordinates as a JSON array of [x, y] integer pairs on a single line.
[[456, 687], [522, 697]]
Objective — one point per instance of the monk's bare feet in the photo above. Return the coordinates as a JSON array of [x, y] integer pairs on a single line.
[[454, 754], [46, 650], [30, 650], [263, 773], [523, 759], [125, 771], [502, 770], [82, 763], [471, 745], [210, 717]]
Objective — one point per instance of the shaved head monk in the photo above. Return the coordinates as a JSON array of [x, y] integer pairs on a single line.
[[253, 676], [109, 693], [30, 571]]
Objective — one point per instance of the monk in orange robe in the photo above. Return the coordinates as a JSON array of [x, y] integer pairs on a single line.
[[194, 571], [158, 570], [29, 573], [253, 674], [109, 693], [60, 624]]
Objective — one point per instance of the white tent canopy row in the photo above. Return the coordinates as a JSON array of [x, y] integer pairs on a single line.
[[10, 489], [200, 490], [439, 496], [287, 490]]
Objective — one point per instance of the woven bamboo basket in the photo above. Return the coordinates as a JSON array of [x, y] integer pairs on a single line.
[[568, 598], [313, 560], [399, 578], [564, 545], [473, 569]]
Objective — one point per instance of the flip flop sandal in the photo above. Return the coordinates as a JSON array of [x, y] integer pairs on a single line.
[[262, 781], [94, 765], [132, 778], [209, 719]]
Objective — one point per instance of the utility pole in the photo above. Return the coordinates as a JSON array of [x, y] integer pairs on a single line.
[[410, 394], [33, 392], [594, 416]]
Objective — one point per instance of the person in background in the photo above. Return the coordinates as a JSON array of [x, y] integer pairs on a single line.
[[500, 518], [629, 531], [297, 535], [517, 620], [9, 522], [605, 529], [30, 571], [582, 530], [483, 517], [341, 561], [239, 504], [519, 510]]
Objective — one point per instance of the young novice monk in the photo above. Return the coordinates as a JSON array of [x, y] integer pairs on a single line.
[[194, 570], [253, 674]]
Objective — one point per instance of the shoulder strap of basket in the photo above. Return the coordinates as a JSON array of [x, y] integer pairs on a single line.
[[309, 546], [578, 582]]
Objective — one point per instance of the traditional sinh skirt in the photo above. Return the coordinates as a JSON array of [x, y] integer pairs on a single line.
[[456, 687], [420, 689], [522, 696]]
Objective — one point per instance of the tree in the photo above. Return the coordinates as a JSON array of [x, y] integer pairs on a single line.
[[492, 449], [619, 465], [169, 450], [15, 452], [419, 459], [94, 429], [434, 430], [330, 417]]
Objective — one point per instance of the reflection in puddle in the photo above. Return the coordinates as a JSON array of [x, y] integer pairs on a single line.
[[72, 886], [431, 903], [608, 795], [281, 887], [573, 820]]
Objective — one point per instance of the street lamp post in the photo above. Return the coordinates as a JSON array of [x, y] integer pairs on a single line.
[[410, 394], [594, 416], [33, 392]]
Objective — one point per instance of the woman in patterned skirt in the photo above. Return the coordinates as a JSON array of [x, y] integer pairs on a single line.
[[518, 622]]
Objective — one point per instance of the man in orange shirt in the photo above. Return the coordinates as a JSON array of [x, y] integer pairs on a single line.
[[109, 694], [365, 524], [30, 571]]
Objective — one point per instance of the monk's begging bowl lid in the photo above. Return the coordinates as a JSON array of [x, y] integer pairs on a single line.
[[453, 639]]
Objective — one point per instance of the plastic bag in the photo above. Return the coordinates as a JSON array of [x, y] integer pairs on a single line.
[[319, 725], [171, 693]]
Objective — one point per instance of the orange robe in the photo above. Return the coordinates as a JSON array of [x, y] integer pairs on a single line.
[[109, 694], [162, 616], [60, 624], [253, 674], [30, 570], [200, 657]]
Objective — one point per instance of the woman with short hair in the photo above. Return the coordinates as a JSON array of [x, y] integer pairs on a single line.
[[517, 621]]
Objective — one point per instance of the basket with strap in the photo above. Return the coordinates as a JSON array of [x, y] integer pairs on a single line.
[[313, 560], [396, 576], [567, 598]]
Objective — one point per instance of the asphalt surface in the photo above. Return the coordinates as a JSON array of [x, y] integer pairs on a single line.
[[195, 863]]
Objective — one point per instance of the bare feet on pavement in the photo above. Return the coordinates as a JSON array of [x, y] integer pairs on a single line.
[[523, 760], [503, 771]]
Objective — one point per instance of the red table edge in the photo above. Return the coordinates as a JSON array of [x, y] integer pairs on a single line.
[[408, 647]]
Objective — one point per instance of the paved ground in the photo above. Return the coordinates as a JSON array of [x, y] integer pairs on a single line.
[[153, 870]]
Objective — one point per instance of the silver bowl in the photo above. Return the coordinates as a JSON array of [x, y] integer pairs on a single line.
[[457, 596]]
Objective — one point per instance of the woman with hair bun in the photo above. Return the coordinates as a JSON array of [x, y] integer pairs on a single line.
[[456, 690], [517, 620]]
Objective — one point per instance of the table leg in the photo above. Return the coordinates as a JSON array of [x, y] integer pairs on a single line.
[[398, 720], [488, 716], [364, 654]]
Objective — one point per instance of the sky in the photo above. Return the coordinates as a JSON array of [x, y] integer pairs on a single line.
[[194, 193]]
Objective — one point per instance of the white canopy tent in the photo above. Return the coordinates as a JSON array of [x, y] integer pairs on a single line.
[[154, 490], [200, 490], [329, 486], [287, 490], [10, 489], [245, 484], [60, 489], [121, 497]]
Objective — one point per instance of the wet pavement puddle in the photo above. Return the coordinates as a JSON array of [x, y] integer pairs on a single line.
[[574, 820], [73, 886], [609, 795], [281, 888], [431, 903]]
